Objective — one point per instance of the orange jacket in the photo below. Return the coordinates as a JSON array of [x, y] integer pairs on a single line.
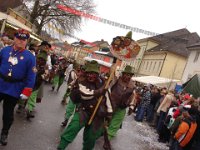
[[185, 132]]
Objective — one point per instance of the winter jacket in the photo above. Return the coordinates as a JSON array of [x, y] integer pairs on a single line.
[[185, 132], [166, 103]]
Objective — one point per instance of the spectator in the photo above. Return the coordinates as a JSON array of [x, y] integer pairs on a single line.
[[162, 109]]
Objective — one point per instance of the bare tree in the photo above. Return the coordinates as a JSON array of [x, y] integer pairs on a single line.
[[45, 11]]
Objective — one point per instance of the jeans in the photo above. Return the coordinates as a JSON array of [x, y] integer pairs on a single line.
[[140, 113], [175, 145], [161, 120], [150, 113]]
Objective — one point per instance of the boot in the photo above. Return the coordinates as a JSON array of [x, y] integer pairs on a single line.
[[53, 88], [107, 146], [38, 100], [64, 123], [19, 109], [3, 139], [63, 102], [30, 115]]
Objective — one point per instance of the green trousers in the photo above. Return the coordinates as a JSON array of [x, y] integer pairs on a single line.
[[32, 100], [55, 80], [89, 136], [41, 91], [58, 81], [67, 93], [115, 123], [70, 109]]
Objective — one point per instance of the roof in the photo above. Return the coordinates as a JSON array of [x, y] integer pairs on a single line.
[[107, 64], [155, 80], [194, 46], [104, 53], [9, 4], [101, 42], [175, 41]]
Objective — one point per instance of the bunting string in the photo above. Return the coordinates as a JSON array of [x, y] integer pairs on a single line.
[[105, 21]]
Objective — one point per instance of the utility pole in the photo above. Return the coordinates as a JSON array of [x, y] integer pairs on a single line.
[[3, 26]]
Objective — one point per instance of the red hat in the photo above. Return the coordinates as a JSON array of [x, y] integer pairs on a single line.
[[186, 96], [22, 34]]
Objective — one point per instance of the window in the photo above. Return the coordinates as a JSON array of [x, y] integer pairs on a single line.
[[143, 66], [196, 56], [154, 66], [159, 65], [147, 65], [150, 66]]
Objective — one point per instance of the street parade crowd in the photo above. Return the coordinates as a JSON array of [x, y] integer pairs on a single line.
[[90, 104]]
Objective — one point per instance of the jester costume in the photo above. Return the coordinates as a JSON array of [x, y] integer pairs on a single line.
[[120, 94], [86, 94], [59, 75], [31, 102]]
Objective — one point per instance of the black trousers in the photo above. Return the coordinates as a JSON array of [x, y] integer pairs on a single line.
[[9, 104]]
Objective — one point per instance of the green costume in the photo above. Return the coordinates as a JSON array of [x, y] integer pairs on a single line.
[[89, 137], [55, 80], [70, 108], [114, 125], [32, 101], [85, 94], [58, 79], [120, 96]]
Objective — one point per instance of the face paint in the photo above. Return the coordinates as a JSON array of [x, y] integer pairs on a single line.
[[126, 77], [91, 76]]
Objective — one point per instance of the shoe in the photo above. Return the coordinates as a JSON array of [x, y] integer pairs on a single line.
[[162, 141], [64, 123], [19, 109], [30, 115], [3, 140], [53, 88], [63, 102], [106, 146], [38, 100], [152, 125]]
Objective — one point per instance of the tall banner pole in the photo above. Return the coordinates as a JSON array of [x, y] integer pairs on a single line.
[[123, 48]]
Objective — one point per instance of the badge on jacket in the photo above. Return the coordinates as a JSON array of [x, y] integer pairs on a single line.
[[13, 60]]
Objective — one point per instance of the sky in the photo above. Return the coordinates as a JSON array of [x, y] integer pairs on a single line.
[[159, 16]]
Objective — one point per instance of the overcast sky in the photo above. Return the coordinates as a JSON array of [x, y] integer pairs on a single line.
[[158, 16]]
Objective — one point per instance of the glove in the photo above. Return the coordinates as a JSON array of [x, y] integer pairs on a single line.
[[26, 93], [130, 111], [100, 91], [23, 97]]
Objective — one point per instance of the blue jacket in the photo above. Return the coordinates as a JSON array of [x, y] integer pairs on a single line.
[[24, 70]]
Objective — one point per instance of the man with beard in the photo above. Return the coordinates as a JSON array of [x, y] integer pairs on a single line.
[[121, 97], [86, 93], [17, 78]]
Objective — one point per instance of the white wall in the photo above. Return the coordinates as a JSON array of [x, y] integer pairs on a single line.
[[192, 67]]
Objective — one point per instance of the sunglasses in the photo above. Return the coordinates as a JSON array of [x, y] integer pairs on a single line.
[[22, 36]]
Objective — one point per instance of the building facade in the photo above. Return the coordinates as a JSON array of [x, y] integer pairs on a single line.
[[193, 63], [164, 55]]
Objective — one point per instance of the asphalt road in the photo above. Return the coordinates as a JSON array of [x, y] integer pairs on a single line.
[[42, 133]]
